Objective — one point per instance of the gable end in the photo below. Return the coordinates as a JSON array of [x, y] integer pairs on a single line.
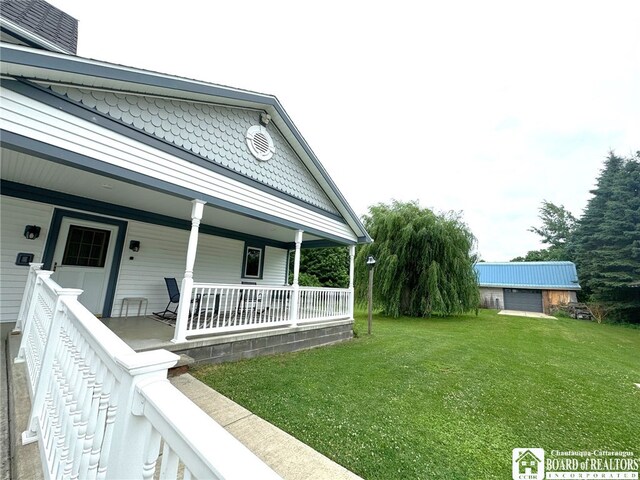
[[213, 132]]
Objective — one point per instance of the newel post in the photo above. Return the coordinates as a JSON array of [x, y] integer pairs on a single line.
[[133, 446], [30, 305], [180, 334], [48, 360], [352, 255], [26, 296], [295, 298]]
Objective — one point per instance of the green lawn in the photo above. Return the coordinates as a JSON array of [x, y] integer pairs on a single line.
[[449, 398]]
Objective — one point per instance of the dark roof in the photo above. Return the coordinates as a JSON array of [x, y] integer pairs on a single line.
[[536, 275], [42, 20]]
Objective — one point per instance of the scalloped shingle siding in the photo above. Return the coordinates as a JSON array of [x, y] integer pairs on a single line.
[[212, 132]]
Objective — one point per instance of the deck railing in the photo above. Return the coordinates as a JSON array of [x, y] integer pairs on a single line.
[[217, 308], [102, 411]]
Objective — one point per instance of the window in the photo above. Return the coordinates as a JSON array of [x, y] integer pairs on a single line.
[[253, 262], [86, 247]]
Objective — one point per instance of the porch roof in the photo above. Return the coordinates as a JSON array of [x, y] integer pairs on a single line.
[[39, 66]]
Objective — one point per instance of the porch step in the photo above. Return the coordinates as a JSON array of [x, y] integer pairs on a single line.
[[182, 366]]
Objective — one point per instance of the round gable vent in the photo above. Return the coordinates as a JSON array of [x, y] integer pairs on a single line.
[[260, 143]]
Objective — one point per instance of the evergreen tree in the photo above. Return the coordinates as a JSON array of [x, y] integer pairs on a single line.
[[606, 244], [424, 262]]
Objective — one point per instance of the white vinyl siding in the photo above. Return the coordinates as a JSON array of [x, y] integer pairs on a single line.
[[163, 254], [275, 267], [30, 118], [15, 214]]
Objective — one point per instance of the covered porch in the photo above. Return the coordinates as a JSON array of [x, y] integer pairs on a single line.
[[223, 295], [212, 309]]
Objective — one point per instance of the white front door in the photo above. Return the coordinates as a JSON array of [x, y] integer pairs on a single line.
[[83, 259]]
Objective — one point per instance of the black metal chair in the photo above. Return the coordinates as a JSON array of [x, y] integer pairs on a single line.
[[247, 297], [174, 297]]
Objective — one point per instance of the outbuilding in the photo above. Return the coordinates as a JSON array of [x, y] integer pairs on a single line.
[[527, 286]]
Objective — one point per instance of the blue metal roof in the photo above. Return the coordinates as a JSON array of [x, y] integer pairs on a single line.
[[539, 275]]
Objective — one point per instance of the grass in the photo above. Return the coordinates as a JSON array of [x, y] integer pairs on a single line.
[[449, 398]]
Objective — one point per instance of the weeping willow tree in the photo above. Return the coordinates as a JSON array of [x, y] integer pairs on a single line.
[[424, 262]]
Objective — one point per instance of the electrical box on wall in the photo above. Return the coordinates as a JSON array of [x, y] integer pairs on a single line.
[[24, 259]]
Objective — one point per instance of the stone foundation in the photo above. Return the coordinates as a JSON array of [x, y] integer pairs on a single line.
[[267, 343]]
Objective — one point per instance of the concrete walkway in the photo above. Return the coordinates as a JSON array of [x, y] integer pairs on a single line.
[[287, 456], [25, 459], [517, 313], [5, 457]]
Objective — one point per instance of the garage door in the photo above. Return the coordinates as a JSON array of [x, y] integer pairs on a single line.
[[523, 300]]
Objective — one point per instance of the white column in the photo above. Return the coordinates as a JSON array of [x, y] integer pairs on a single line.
[[293, 312], [180, 334], [352, 255]]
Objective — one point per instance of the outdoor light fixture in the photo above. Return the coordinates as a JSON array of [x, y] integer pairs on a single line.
[[370, 263], [31, 232], [134, 245], [265, 118]]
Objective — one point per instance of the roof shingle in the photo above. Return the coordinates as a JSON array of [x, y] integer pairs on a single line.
[[43, 20]]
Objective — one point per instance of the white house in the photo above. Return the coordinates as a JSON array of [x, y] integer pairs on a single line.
[[115, 178]]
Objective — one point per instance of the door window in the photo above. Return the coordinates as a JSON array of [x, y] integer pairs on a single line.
[[86, 247]]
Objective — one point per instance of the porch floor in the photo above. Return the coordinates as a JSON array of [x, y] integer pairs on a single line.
[[141, 333]]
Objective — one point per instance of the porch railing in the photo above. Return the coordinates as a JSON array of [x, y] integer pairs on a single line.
[[102, 411], [324, 304], [217, 308]]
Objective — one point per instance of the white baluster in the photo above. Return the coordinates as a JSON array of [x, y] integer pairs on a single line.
[[64, 294], [170, 463], [30, 308], [126, 458]]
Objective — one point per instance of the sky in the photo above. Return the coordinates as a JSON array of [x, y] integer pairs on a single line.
[[483, 108]]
